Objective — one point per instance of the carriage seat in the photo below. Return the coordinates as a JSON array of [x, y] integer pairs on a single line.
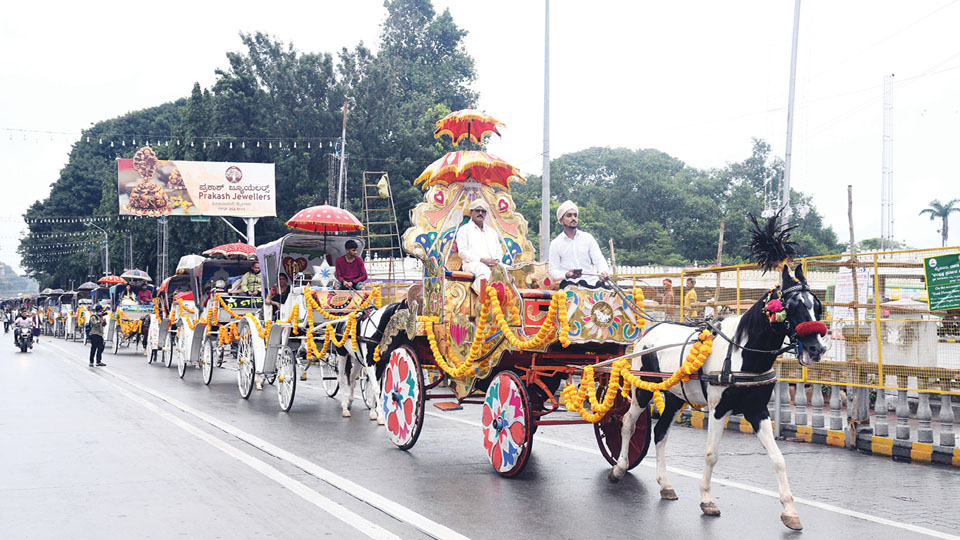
[[536, 294], [459, 275]]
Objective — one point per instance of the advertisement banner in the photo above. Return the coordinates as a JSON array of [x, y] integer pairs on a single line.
[[148, 186]]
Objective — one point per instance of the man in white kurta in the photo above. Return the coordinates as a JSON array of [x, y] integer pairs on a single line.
[[575, 256], [478, 244]]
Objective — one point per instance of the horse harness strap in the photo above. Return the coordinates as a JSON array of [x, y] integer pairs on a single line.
[[727, 377]]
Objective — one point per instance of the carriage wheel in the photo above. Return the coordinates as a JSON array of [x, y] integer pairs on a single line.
[[507, 429], [286, 376], [181, 357], [245, 366], [366, 390], [167, 353], [403, 397], [206, 360], [116, 344], [609, 439], [329, 375]]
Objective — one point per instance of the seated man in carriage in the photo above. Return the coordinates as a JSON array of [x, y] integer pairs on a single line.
[[479, 245], [575, 256]]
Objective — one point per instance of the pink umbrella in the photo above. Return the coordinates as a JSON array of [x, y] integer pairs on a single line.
[[236, 249]]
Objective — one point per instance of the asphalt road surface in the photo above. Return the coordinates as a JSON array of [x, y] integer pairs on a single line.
[[132, 451]]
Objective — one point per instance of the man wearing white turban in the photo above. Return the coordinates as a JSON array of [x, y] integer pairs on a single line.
[[479, 244], [574, 253]]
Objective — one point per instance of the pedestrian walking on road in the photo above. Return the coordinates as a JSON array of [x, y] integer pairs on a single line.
[[97, 321]]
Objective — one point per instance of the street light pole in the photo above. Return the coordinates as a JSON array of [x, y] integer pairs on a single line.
[[106, 245]]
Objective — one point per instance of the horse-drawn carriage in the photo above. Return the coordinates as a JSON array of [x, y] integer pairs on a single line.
[[66, 326], [207, 324], [510, 347], [165, 321], [277, 346]]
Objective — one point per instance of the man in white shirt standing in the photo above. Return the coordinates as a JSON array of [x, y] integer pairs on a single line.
[[574, 253], [478, 244]]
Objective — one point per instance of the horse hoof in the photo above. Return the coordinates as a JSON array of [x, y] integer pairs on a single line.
[[668, 494], [345, 413], [380, 421], [612, 476], [710, 509], [373, 414], [792, 522]]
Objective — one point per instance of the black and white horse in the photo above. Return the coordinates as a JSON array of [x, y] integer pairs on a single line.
[[757, 338], [370, 327]]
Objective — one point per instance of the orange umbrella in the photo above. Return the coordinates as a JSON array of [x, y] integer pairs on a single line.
[[467, 123], [111, 279], [469, 165], [324, 218], [236, 249]]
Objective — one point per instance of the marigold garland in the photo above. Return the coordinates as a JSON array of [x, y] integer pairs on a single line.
[[698, 354], [223, 303], [466, 366], [574, 397], [556, 313]]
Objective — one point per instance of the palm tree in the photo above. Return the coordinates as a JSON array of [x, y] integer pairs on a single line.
[[942, 211]]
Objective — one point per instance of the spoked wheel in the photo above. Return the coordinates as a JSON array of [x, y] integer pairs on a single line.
[[286, 378], [329, 375], [116, 344], [245, 365], [181, 357], [167, 353], [507, 429], [206, 360], [366, 389], [403, 400], [609, 438]]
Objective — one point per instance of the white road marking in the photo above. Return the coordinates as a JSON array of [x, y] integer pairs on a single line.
[[376, 500], [730, 483], [333, 508]]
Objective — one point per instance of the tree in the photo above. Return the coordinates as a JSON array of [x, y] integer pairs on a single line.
[[942, 211]]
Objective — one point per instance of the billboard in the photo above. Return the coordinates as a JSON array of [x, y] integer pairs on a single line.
[[148, 186]]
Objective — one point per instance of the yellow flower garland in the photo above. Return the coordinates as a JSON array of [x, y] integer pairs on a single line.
[[491, 303], [574, 397], [556, 313], [223, 303]]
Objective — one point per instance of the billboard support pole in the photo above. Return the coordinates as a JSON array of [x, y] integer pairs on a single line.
[[236, 230], [251, 221]]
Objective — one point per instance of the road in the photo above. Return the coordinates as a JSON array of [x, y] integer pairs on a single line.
[[132, 451]]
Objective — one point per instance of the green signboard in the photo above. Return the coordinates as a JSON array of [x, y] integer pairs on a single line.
[[200, 219], [943, 281]]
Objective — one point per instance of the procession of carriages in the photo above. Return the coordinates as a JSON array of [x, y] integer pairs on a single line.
[[515, 343]]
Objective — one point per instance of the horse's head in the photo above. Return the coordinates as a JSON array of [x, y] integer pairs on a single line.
[[803, 311]]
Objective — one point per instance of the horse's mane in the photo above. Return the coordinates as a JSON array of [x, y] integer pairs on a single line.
[[753, 322]]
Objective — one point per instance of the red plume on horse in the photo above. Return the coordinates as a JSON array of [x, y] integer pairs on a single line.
[[737, 376]]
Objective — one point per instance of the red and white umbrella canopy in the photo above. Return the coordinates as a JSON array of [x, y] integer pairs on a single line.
[[111, 280], [326, 219], [467, 123], [236, 249]]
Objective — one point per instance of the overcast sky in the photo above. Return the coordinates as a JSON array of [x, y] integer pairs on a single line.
[[694, 79]]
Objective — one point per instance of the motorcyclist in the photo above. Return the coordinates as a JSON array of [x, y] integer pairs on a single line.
[[23, 321]]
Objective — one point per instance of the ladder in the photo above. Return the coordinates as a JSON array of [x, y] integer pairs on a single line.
[[381, 232]]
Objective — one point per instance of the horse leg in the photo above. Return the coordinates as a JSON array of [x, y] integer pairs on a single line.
[[714, 431], [373, 386], [346, 395], [789, 517], [626, 433], [673, 405]]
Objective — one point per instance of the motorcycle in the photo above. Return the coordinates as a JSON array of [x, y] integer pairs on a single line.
[[24, 338]]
